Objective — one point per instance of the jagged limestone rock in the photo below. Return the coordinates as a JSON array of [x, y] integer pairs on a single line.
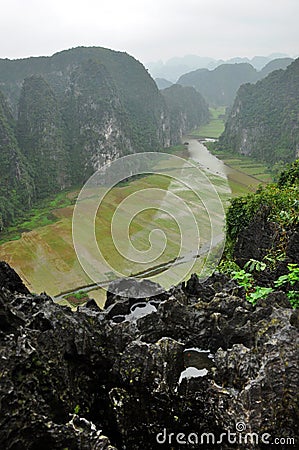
[[68, 378]]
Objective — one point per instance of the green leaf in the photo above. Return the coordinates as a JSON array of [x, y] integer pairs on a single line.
[[260, 292], [77, 409]]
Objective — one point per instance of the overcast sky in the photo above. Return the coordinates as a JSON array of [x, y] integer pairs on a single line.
[[150, 30]]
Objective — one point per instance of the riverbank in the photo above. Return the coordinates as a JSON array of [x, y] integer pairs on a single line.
[[242, 163], [243, 174], [256, 171]]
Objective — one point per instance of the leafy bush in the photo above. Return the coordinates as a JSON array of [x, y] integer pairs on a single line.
[[279, 201], [290, 279], [254, 292], [290, 176]]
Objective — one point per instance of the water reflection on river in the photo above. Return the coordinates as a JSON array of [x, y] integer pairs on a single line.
[[210, 163]]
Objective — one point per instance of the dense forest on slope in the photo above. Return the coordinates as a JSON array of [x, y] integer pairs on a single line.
[[16, 183], [187, 109], [264, 120], [219, 86], [40, 134], [62, 117]]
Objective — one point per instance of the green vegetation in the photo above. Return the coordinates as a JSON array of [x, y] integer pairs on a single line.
[[124, 85], [77, 409], [76, 111], [290, 175], [46, 257], [40, 134], [254, 292], [275, 64], [263, 122], [247, 174], [219, 86], [254, 168], [177, 150], [41, 215], [262, 171], [246, 279], [77, 298], [279, 203], [290, 279], [103, 105], [187, 109], [16, 184], [214, 127]]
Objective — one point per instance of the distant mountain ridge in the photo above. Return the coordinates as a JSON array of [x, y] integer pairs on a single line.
[[162, 83], [219, 86], [264, 120]]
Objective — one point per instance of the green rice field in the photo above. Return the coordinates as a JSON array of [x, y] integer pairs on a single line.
[[43, 254], [215, 127]]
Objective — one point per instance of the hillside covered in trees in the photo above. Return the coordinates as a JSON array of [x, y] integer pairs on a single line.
[[186, 109], [63, 117], [264, 120], [16, 181]]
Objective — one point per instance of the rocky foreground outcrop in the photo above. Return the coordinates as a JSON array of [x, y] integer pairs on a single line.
[[121, 378]]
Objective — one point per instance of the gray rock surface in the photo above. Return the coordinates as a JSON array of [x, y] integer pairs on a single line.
[[81, 380]]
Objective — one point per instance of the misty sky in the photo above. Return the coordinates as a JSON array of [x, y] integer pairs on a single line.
[[150, 30]]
